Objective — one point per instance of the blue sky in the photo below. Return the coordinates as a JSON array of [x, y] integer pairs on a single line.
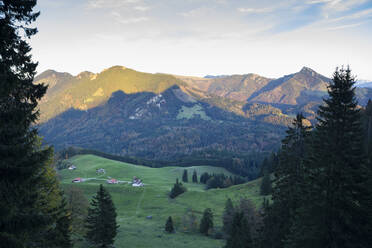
[[199, 37]]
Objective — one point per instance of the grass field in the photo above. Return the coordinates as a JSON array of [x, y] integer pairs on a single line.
[[134, 204]]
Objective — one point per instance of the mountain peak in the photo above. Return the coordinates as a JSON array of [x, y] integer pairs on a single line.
[[308, 70], [52, 73]]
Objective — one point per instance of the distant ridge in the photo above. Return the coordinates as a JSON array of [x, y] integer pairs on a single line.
[[163, 117], [364, 84]]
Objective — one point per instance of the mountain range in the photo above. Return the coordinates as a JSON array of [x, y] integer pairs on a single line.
[[364, 84], [162, 116]]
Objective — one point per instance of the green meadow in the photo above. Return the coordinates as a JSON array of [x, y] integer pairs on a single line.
[[134, 204]]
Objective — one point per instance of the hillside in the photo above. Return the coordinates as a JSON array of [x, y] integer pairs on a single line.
[[364, 84], [88, 90], [158, 116], [159, 126], [237, 87], [298, 92], [134, 204]]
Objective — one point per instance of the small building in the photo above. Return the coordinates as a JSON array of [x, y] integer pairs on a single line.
[[112, 181], [72, 167], [137, 182], [78, 180], [101, 171]]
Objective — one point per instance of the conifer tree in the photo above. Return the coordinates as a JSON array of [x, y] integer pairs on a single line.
[[206, 223], [194, 177], [60, 237], [101, 220], [265, 187], [228, 215], [32, 208], [336, 201], [240, 234], [185, 178], [204, 177], [289, 180], [52, 203], [368, 130], [78, 207], [169, 225], [177, 189]]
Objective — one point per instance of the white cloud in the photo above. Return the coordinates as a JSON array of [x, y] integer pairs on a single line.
[[191, 13], [356, 15], [346, 26], [141, 8], [125, 20], [109, 4], [133, 20], [319, 1], [255, 10], [337, 5]]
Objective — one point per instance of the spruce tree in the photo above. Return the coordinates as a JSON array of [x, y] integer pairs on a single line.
[[240, 234], [206, 223], [52, 203], [185, 178], [22, 161], [265, 187], [336, 201], [368, 130], [194, 177], [289, 180], [101, 220], [78, 207], [169, 225], [227, 217], [177, 189]]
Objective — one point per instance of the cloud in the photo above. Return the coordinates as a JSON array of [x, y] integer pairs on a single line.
[[141, 8], [345, 26], [319, 1], [119, 18], [337, 5], [356, 15], [255, 10], [109, 4], [191, 13]]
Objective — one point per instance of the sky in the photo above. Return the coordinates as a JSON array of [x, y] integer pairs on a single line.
[[271, 38]]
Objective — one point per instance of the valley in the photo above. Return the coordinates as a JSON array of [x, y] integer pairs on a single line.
[[135, 204]]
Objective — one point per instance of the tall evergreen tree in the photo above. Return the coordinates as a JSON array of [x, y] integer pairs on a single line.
[[169, 225], [101, 220], [289, 180], [265, 187], [78, 207], [206, 223], [52, 203], [336, 203], [22, 164], [240, 234], [368, 130], [185, 178], [194, 177], [227, 217], [177, 189]]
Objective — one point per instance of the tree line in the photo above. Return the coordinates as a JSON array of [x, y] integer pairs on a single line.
[[322, 184], [243, 164]]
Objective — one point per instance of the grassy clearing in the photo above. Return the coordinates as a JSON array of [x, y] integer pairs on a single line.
[[134, 204], [189, 113]]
